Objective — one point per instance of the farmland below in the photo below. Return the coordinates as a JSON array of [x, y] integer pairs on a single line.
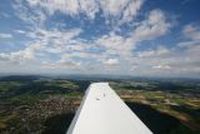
[[41, 105]]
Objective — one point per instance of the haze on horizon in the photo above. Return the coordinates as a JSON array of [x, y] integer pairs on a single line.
[[127, 37]]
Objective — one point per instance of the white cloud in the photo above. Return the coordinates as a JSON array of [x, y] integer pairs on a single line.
[[20, 31], [32, 16], [68, 7], [55, 41], [62, 65], [113, 8], [113, 52], [163, 61], [55, 34], [114, 44], [5, 36], [21, 56], [65, 62], [192, 32], [124, 10], [89, 7], [4, 15], [154, 26], [131, 10], [160, 51], [52, 41], [161, 67], [186, 44], [191, 37], [111, 62]]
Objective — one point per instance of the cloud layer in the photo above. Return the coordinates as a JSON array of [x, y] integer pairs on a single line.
[[57, 36]]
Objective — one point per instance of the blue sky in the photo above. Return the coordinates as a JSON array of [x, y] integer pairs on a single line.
[[125, 37]]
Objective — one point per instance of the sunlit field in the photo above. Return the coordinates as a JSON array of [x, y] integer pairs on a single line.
[[33, 104]]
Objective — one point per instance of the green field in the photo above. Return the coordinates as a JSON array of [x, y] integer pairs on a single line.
[[47, 105]]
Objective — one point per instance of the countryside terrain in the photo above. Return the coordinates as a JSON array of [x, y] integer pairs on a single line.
[[46, 105]]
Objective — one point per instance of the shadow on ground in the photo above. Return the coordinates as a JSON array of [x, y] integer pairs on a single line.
[[194, 113], [58, 124], [157, 122]]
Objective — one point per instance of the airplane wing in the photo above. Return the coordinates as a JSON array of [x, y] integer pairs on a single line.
[[103, 112]]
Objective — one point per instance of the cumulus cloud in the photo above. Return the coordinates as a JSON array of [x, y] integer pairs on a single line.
[[169, 62], [55, 35], [68, 48], [160, 51], [131, 10], [32, 16], [21, 56], [111, 62], [61, 65], [89, 8], [52, 41], [20, 31], [114, 44], [71, 51], [65, 62], [5, 36], [154, 26], [55, 41], [192, 32], [124, 10], [162, 67]]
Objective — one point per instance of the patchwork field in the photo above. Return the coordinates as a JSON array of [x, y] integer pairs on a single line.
[[31, 104]]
